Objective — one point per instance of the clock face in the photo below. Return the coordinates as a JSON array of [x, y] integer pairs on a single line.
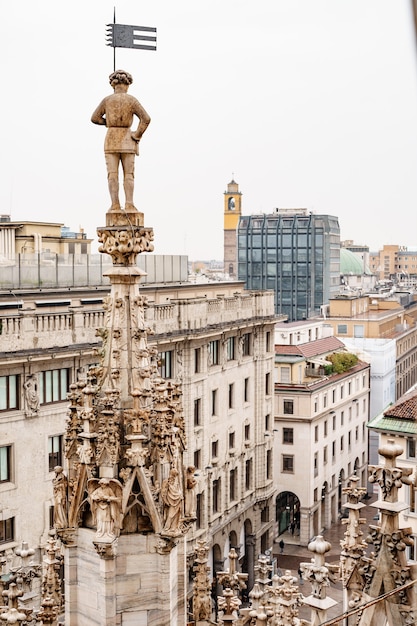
[[231, 204]]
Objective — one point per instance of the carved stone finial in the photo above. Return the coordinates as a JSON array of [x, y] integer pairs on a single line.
[[201, 584]]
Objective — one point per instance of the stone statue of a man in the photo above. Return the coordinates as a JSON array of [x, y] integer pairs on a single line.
[[117, 112]]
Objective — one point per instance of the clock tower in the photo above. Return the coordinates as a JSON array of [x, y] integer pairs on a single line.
[[232, 212]]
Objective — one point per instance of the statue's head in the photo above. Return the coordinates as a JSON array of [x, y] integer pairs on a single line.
[[120, 77]]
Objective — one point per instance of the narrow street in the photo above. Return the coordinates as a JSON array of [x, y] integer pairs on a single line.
[[294, 554]]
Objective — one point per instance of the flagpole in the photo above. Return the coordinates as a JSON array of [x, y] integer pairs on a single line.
[[114, 47]]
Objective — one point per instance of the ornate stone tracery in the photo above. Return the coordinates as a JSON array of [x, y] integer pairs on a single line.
[[125, 430]]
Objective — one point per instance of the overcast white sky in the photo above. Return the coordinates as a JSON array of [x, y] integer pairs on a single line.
[[310, 103]]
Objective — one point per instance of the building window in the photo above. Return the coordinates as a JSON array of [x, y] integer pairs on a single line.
[[199, 510], [316, 463], [265, 515], [288, 435], [246, 390], [214, 352], [333, 395], [324, 400], [325, 454], [341, 444], [246, 344], [54, 385], [232, 484], [51, 517], [285, 374], [342, 329], [197, 459], [411, 448], [9, 396], [288, 407], [5, 464], [288, 463], [268, 341], [342, 417], [214, 401], [268, 383], [334, 422], [248, 474], [166, 362], [333, 450], [197, 360], [7, 530], [214, 449], [231, 348], [216, 495], [247, 432], [325, 428], [231, 440], [231, 395], [197, 412], [267, 422], [316, 434], [269, 464], [54, 451], [358, 330]]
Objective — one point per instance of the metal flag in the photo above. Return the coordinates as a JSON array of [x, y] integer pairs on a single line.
[[124, 36]]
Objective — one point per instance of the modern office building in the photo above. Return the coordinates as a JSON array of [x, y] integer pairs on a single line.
[[296, 254]]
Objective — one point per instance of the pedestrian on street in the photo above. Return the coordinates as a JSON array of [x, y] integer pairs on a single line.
[[281, 546], [300, 575]]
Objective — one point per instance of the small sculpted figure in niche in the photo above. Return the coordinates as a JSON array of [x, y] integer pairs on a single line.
[[60, 498], [171, 494], [117, 112], [31, 393], [105, 506]]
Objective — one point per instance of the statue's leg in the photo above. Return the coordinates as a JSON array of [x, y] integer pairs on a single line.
[[128, 163], [112, 162]]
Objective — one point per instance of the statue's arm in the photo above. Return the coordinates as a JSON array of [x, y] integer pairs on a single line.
[[98, 116], [144, 121]]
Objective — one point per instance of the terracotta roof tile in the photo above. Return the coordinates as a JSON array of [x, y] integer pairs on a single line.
[[312, 348], [405, 408]]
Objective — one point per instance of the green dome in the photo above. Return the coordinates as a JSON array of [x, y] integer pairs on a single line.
[[351, 264]]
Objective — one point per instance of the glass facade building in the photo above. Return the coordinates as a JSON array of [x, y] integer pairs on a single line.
[[294, 253]]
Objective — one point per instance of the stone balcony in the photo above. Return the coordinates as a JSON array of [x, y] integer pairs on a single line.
[[31, 329], [188, 316]]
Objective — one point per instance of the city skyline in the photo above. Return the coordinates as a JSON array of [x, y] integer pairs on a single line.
[[305, 106]]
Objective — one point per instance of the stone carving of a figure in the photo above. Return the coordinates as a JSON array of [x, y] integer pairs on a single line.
[[190, 495], [32, 393], [60, 498], [171, 493], [105, 506], [117, 112]]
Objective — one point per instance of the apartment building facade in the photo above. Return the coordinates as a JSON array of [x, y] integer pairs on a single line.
[[320, 435]]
